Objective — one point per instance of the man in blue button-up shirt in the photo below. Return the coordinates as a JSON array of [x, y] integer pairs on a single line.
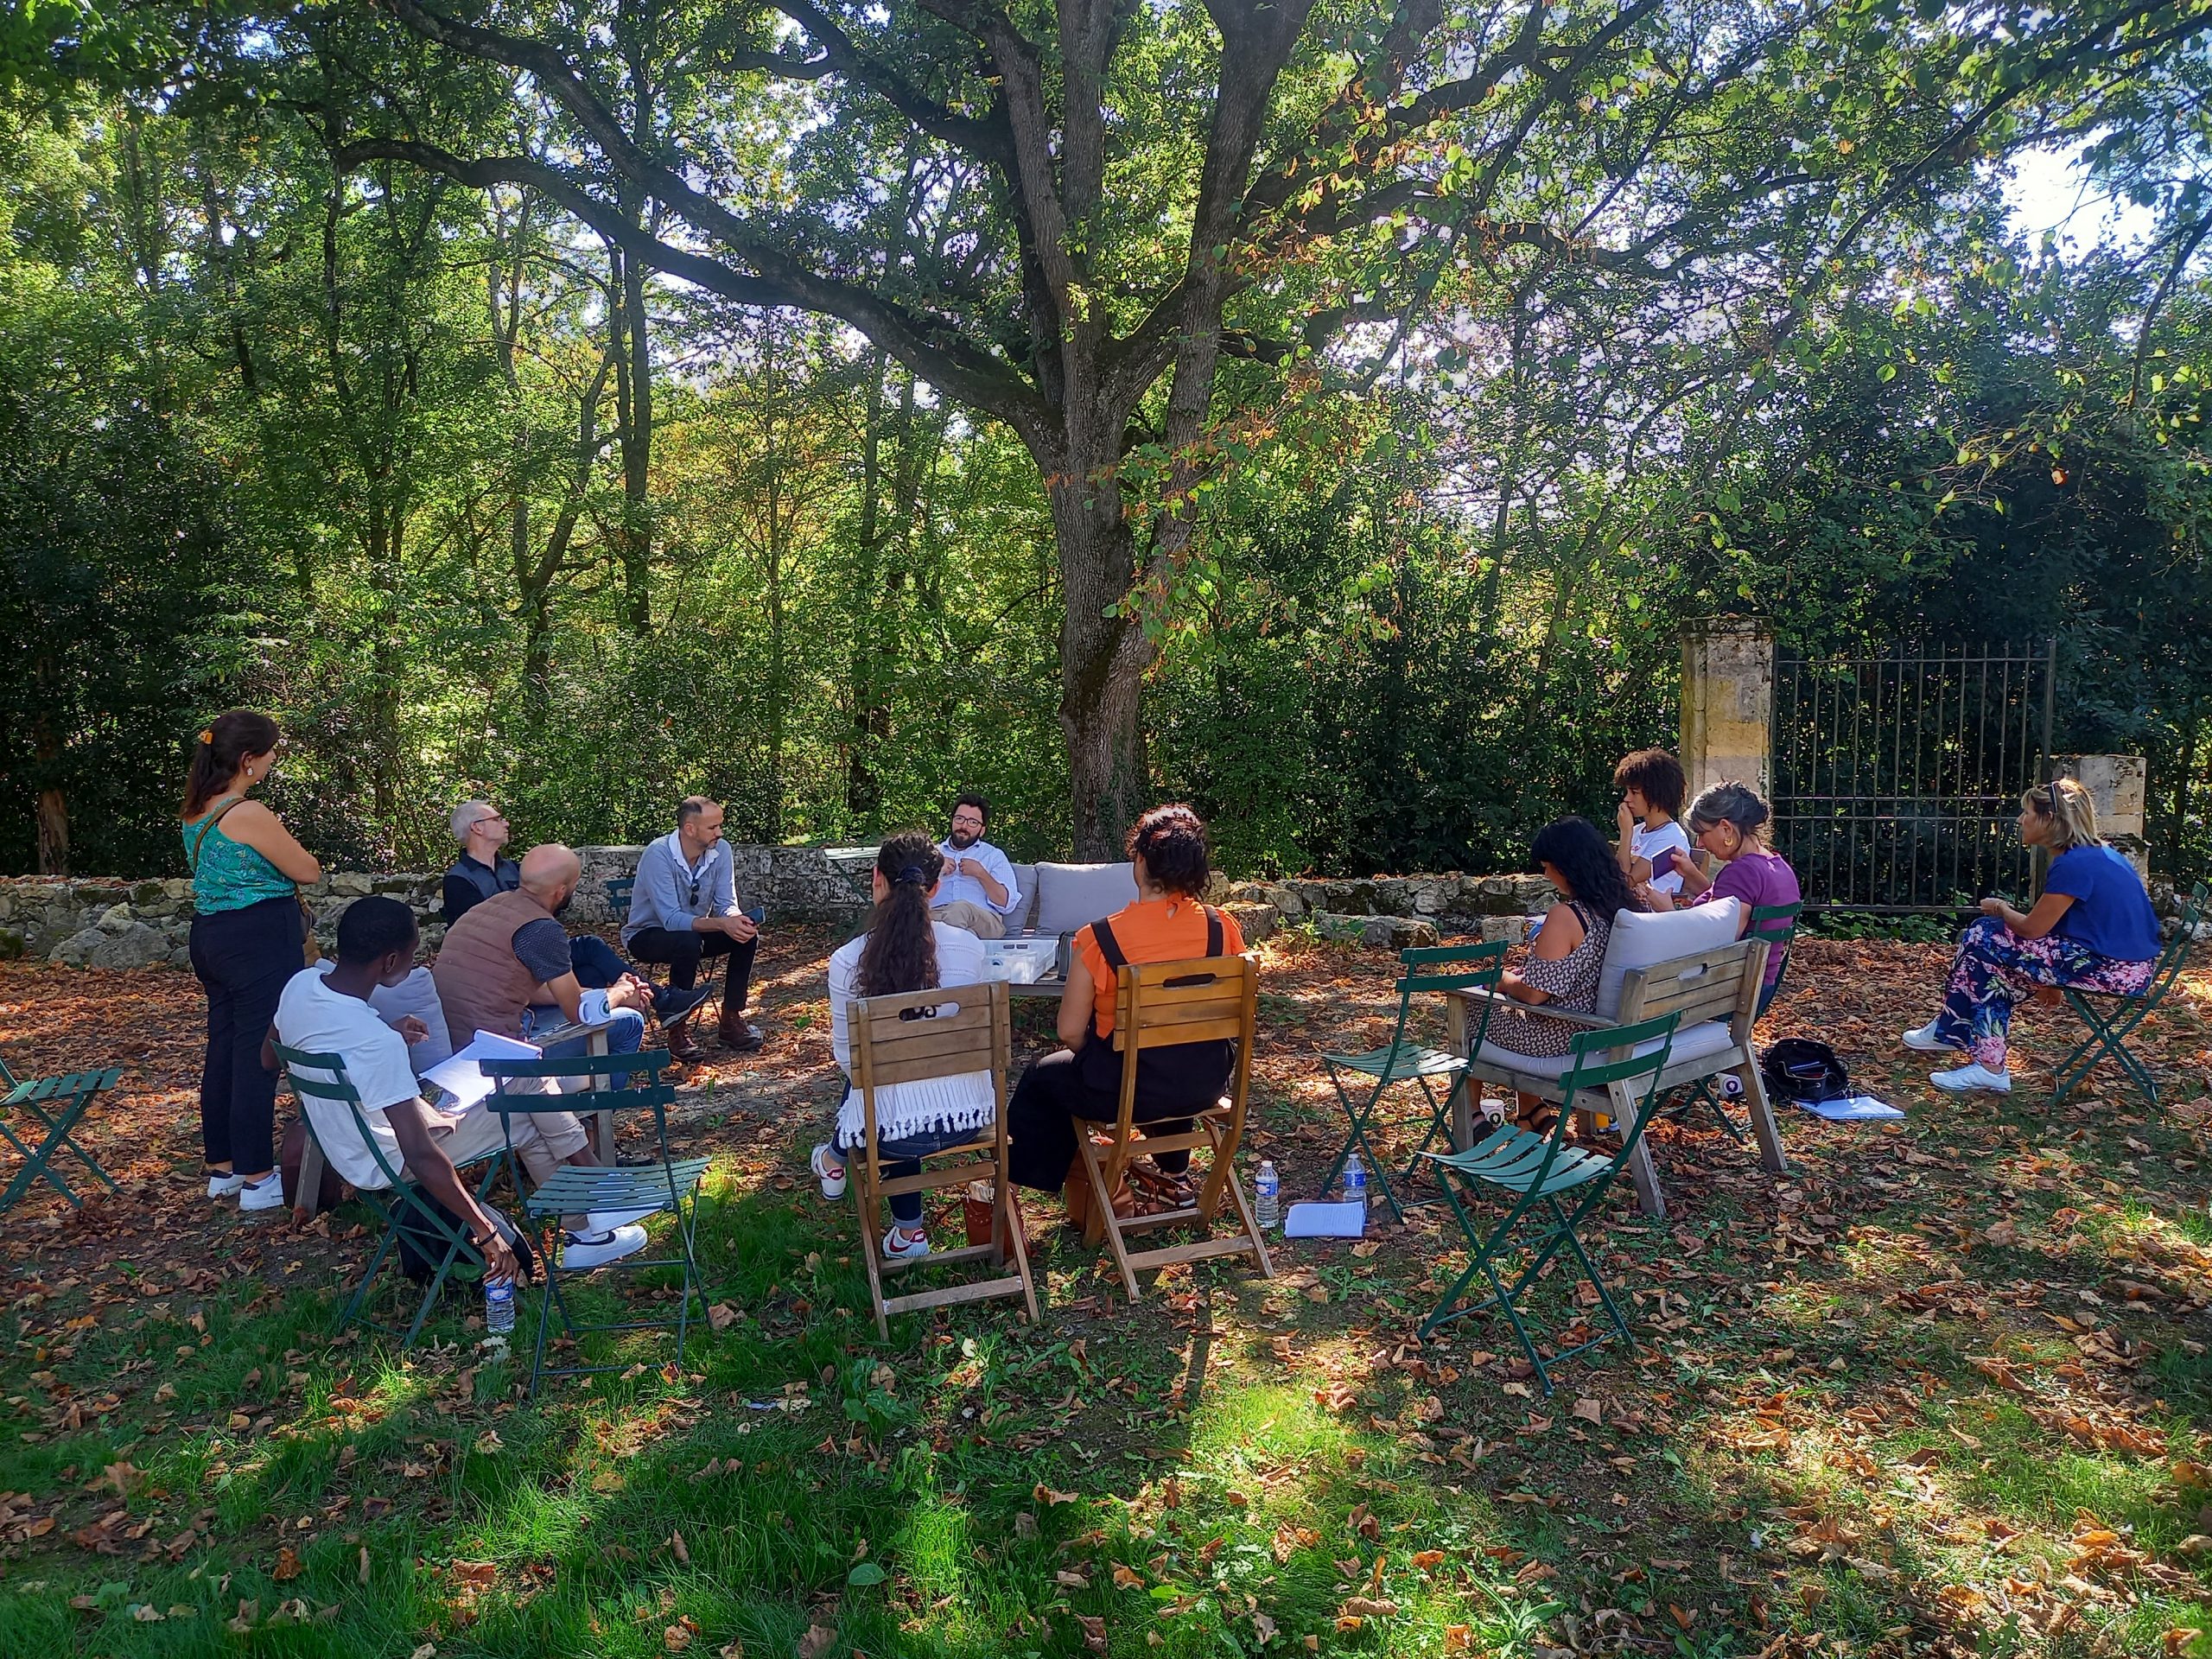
[[685, 905], [977, 891]]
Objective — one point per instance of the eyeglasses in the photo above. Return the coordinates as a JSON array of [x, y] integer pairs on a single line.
[[968, 817]]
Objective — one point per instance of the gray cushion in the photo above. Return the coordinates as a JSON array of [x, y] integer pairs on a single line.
[[1069, 896], [1025, 878], [1691, 1043], [1644, 941]]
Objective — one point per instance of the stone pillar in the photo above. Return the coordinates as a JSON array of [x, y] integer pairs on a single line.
[[2120, 786], [1728, 701]]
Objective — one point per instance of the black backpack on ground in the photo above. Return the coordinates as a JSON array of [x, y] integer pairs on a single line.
[[1801, 1068]]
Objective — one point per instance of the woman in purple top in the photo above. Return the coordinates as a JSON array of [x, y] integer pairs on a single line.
[[1729, 821], [2093, 929]]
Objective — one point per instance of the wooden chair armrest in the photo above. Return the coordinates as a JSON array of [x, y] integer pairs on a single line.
[[1549, 1010]]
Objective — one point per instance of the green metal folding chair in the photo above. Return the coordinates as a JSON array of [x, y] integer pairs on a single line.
[[2108, 1031], [664, 1184], [1441, 969], [1777, 924], [400, 1202], [1537, 1170], [56, 1103]]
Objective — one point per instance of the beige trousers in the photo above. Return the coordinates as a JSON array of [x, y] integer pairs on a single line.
[[980, 919]]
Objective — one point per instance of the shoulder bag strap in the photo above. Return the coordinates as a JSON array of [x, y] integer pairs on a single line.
[[200, 841], [1109, 946], [1213, 931]]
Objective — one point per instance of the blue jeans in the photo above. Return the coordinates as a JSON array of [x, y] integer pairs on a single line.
[[627, 1035], [898, 1158], [595, 962]]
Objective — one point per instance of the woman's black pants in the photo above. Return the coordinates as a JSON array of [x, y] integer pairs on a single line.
[[243, 958], [1039, 1120]]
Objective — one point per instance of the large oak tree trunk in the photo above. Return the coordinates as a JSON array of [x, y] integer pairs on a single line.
[[1102, 656]]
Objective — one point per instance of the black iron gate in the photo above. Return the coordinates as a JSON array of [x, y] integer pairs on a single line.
[[1898, 778]]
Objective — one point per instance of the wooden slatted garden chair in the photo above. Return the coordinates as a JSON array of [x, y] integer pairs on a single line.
[[399, 1203], [1624, 1066], [1777, 926], [1161, 1005], [1715, 991], [56, 1105], [664, 1184], [2110, 1019], [947, 1033], [1430, 970]]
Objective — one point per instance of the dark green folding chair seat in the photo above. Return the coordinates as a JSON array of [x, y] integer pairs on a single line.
[[401, 1202], [1397, 1066], [1442, 968], [665, 1184], [574, 1188], [1513, 1158], [2111, 1018], [1535, 1169], [55, 1104]]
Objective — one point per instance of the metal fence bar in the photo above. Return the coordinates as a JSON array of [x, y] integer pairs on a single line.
[[1894, 774]]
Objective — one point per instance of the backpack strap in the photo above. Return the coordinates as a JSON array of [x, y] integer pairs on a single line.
[[1213, 931], [1109, 946]]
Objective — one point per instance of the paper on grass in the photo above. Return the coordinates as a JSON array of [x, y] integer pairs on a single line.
[[1313, 1220], [1852, 1108], [463, 1080]]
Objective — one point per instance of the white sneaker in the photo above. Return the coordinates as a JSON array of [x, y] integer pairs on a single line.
[[830, 1173], [1968, 1077], [226, 1186], [267, 1193], [607, 1221], [900, 1245], [1924, 1039], [580, 1251]]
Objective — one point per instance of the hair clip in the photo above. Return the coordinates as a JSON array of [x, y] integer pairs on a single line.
[[206, 734]]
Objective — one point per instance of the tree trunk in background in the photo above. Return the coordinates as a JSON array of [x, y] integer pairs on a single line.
[[46, 743], [634, 392], [1102, 658], [871, 716]]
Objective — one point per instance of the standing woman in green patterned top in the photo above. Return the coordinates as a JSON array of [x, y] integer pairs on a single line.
[[248, 938]]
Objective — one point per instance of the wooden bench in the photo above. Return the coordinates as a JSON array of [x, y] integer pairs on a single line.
[[1715, 991]]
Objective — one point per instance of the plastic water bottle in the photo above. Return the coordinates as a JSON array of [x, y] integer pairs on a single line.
[[1267, 1198], [500, 1307], [1356, 1181]]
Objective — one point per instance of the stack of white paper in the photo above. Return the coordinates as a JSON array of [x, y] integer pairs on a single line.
[[463, 1080]]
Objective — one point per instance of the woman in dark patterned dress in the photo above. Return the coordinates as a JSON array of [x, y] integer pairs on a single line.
[[1563, 962]]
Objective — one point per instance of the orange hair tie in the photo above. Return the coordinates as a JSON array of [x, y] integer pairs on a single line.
[[206, 735]]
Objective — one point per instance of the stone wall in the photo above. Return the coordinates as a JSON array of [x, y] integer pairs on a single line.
[[114, 924], [1394, 911]]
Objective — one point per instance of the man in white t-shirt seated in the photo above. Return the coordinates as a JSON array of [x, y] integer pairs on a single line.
[[978, 892], [1652, 790], [330, 1014]]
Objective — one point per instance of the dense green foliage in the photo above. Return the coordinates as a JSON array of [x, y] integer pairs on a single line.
[[451, 480]]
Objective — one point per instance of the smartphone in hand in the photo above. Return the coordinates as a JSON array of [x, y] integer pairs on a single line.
[[1663, 861]]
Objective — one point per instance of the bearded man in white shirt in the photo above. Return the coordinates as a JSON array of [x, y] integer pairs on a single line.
[[977, 892]]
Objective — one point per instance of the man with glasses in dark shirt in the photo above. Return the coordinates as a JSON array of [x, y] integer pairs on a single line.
[[684, 906]]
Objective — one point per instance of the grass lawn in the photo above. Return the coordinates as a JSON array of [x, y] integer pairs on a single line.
[[1942, 1390]]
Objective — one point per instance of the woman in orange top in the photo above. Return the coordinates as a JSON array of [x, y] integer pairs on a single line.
[[1169, 921]]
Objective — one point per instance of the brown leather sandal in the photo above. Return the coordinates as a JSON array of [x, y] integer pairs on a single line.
[[1161, 1189]]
